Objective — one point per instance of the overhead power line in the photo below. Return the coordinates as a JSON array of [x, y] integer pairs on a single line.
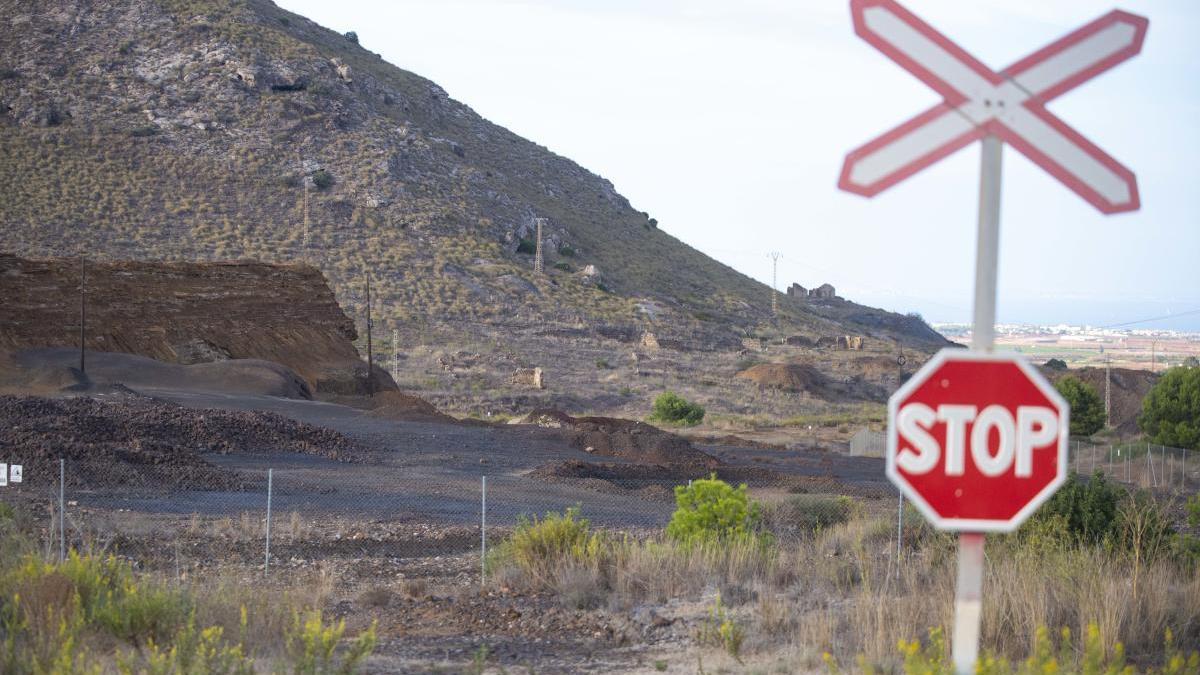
[[1155, 318]]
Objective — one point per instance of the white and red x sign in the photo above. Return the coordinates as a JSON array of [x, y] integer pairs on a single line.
[[1009, 104]]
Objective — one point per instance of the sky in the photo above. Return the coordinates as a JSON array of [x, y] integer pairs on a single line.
[[729, 122]]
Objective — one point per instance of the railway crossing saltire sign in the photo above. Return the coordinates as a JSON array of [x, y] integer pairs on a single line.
[[1009, 104]]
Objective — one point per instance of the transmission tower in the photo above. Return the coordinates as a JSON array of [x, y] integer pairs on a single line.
[[1107, 391], [774, 286], [537, 254]]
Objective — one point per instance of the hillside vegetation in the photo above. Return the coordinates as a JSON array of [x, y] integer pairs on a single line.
[[189, 130]]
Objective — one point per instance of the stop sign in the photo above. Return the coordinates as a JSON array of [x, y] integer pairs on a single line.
[[977, 441]]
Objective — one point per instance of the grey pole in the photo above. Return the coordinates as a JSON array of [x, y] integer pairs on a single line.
[[968, 593], [483, 532], [270, 480], [62, 532], [899, 533]]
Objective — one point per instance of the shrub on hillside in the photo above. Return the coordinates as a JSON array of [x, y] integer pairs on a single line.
[[710, 509], [1055, 364], [809, 514], [1081, 512], [672, 408], [1087, 410], [1171, 411], [537, 546], [322, 179], [526, 246]]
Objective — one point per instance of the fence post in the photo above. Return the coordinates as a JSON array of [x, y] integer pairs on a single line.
[[483, 531], [899, 533], [267, 559], [62, 507]]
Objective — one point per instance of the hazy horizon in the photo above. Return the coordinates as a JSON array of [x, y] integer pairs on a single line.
[[729, 123]]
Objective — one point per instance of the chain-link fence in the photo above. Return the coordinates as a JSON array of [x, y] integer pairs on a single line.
[[1140, 464], [273, 513]]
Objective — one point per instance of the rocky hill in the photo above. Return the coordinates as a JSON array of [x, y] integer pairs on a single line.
[[186, 313], [226, 129]]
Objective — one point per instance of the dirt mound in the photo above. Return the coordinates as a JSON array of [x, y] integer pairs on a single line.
[[627, 439], [1129, 387], [661, 480], [49, 371], [393, 405], [129, 440], [788, 377]]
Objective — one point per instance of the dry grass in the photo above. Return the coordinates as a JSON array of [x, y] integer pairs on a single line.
[[840, 591]]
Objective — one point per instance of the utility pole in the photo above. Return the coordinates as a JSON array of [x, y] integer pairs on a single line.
[[1107, 392], [307, 226], [537, 255], [396, 354], [1153, 356], [370, 356], [774, 283], [82, 314]]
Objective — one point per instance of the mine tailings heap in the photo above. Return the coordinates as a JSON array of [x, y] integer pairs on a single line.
[[181, 312]]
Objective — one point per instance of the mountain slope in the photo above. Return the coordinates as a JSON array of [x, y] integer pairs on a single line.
[[189, 129]]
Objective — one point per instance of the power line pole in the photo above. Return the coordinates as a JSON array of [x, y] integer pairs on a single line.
[[396, 354], [307, 226], [1107, 391], [774, 285], [370, 355], [82, 314], [537, 255]]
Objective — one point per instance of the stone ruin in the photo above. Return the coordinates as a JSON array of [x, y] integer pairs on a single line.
[[852, 343], [649, 341], [824, 292], [527, 377]]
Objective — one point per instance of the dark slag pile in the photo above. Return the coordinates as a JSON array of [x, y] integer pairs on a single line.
[[141, 441]]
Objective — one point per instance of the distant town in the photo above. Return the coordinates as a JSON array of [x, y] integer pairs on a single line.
[[1144, 348]]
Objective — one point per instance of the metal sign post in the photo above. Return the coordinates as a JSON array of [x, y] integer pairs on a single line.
[[968, 591], [980, 390]]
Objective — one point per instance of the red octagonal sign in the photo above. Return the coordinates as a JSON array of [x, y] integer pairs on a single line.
[[977, 441]]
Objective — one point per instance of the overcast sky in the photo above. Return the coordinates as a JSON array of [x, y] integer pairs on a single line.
[[728, 122]]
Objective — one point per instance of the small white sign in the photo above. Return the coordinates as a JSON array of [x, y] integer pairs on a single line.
[[3, 475], [14, 473]]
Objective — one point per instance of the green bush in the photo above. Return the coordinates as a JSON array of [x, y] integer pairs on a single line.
[[1087, 410], [1055, 364], [566, 251], [1171, 411], [312, 646], [1081, 512], [671, 408], [562, 267], [810, 514], [526, 246], [1193, 510], [711, 509], [322, 179], [538, 546]]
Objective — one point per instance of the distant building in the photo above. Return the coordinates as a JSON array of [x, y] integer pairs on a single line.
[[823, 291]]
